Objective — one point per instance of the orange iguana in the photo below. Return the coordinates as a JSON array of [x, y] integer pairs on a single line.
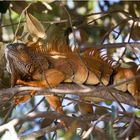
[[48, 66]]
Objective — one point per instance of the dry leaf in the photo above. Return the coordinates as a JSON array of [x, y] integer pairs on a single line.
[[47, 5], [34, 26], [19, 33]]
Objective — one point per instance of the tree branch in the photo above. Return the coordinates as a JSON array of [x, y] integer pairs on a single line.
[[80, 121], [114, 45], [48, 115], [41, 132], [90, 93]]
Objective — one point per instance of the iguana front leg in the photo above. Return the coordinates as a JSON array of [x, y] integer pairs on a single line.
[[52, 78]]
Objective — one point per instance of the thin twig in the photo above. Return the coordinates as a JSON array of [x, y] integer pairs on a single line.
[[114, 45], [132, 27], [22, 13], [131, 31], [53, 115], [70, 21], [81, 121], [109, 12], [111, 29], [41, 132], [8, 114], [120, 58], [10, 17], [128, 129], [94, 125], [121, 29], [87, 23], [33, 109]]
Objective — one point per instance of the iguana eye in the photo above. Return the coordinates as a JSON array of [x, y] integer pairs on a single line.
[[20, 47]]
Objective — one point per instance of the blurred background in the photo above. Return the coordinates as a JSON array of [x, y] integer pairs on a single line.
[[94, 23]]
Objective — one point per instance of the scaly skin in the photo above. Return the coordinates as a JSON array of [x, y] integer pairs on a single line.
[[33, 65], [133, 86]]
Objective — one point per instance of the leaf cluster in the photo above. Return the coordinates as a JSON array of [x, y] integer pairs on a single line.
[[115, 22]]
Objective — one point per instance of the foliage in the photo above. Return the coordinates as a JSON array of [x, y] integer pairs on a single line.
[[93, 23]]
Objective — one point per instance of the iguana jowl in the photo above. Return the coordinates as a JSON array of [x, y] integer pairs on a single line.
[[48, 67]]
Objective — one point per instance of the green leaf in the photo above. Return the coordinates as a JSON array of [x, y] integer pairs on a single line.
[[111, 132], [108, 102], [114, 112], [90, 4], [137, 113]]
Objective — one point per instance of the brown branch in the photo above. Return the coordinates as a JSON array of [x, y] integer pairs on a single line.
[[90, 93], [53, 115], [41, 132], [111, 29], [109, 12], [128, 129], [33, 109], [113, 45], [8, 114], [66, 20], [42, 21], [80, 121], [92, 21], [131, 30]]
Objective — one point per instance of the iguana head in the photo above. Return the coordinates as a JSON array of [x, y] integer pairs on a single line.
[[22, 61], [20, 57]]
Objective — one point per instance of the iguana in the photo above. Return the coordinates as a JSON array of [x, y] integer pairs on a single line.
[[54, 63]]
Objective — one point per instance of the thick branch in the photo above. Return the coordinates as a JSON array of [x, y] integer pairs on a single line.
[[90, 93]]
